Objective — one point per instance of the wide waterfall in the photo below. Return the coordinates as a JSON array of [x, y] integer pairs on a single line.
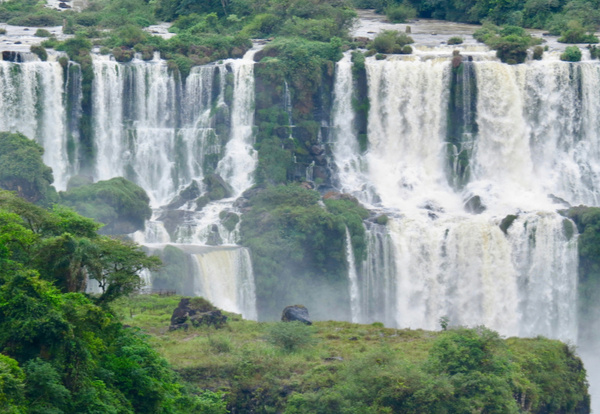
[[487, 248]]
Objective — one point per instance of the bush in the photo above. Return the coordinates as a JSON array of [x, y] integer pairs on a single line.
[[538, 53], [400, 13], [576, 33], [290, 336], [571, 54], [40, 52], [390, 41], [42, 33], [2, 31], [455, 40]]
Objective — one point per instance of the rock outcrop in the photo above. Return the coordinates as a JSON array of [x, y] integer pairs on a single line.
[[197, 311], [296, 313]]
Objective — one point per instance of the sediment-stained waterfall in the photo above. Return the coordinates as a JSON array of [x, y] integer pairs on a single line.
[[448, 251]]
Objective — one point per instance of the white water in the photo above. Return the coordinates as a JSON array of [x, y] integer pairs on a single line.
[[234, 288], [163, 134], [437, 260], [353, 279], [32, 101], [240, 158]]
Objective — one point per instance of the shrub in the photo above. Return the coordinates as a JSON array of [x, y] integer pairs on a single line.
[[571, 54], [576, 33], [42, 33], [122, 54], [538, 52], [455, 40], [380, 56], [40, 52], [2, 31], [400, 13], [290, 336], [390, 41]]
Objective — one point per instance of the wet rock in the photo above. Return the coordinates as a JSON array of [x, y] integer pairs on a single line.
[[507, 222], [216, 187], [296, 313], [171, 219], [474, 205], [189, 193], [558, 200], [214, 238]]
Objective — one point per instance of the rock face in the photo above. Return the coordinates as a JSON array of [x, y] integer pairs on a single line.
[[296, 313], [198, 312]]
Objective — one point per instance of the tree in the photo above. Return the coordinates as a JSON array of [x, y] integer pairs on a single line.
[[66, 250]]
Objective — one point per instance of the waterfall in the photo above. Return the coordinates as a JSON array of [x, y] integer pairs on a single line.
[[350, 163], [528, 132], [353, 279], [134, 107], [224, 277], [163, 134], [240, 158], [33, 101]]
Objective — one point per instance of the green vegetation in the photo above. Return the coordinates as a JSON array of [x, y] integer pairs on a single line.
[[574, 20], [391, 41], [62, 350], [400, 13], [455, 40], [511, 42], [571, 54], [339, 367], [118, 203], [297, 247], [22, 169]]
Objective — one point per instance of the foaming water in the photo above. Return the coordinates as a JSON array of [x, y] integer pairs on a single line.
[[33, 101], [436, 258]]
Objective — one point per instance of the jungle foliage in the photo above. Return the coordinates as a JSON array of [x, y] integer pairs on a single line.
[[63, 350], [118, 203]]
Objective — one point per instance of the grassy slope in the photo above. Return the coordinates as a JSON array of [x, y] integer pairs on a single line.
[[260, 376]]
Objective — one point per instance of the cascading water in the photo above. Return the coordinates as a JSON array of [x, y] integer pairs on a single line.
[[164, 135], [353, 278], [33, 101], [235, 290], [240, 158], [435, 259]]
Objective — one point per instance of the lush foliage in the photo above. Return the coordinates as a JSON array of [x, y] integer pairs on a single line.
[[571, 54], [118, 203], [349, 368], [511, 42], [62, 351], [390, 41], [22, 168]]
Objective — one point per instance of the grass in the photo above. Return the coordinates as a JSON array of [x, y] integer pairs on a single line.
[[341, 364]]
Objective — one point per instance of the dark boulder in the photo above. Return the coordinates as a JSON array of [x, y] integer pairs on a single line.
[[296, 313], [216, 187], [474, 205], [199, 312], [189, 193]]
